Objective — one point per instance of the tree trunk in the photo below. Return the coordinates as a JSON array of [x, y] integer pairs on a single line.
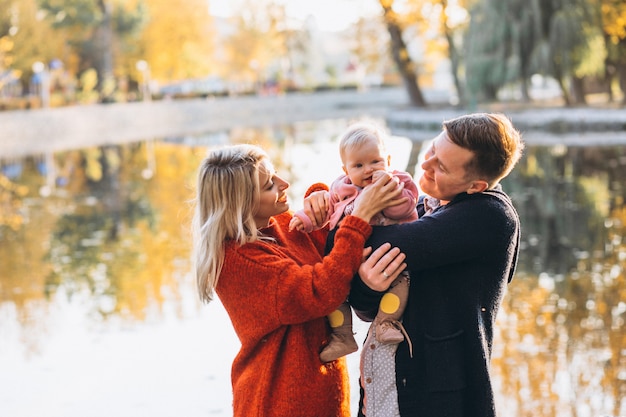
[[609, 70], [621, 75], [524, 88], [411, 166], [406, 67], [453, 53], [578, 90], [104, 45], [620, 67], [607, 81], [566, 96]]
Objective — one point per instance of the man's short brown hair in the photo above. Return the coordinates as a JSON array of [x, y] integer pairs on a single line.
[[497, 146]]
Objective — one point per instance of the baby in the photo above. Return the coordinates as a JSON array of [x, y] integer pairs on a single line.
[[364, 159]]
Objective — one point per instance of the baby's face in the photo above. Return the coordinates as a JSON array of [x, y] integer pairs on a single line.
[[361, 162]]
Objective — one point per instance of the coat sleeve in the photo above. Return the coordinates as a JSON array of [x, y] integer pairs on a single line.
[[461, 231], [310, 291], [290, 292], [476, 227]]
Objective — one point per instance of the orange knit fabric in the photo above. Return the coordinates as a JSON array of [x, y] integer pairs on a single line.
[[277, 295]]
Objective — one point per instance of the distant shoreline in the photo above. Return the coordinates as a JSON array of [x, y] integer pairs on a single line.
[[25, 132], [540, 126]]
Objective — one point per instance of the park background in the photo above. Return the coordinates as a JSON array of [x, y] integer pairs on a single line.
[[108, 107]]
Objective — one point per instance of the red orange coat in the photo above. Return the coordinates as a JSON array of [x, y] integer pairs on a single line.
[[277, 294]]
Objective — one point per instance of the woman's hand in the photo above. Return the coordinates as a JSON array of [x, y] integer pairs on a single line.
[[381, 267], [385, 192], [316, 206]]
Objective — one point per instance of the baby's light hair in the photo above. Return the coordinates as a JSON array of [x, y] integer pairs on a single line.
[[359, 133]]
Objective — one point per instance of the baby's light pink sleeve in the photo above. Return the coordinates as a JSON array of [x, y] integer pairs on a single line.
[[306, 222], [406, 211]]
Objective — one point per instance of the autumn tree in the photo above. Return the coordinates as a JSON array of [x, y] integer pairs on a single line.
[[297, 64], [245, 54], [439, 26], [178, 40], [25, 38], [510, 40], [258, 44], [612, 14], [453, 21], [370, 49], [399, 50], [526, 38], [572, 38], [93, 28], [489, 49]]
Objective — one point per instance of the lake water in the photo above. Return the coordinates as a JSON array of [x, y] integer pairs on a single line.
[[99, 315]]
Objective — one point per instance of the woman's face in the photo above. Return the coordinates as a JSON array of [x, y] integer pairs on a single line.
[[272, 196], [444, 170]]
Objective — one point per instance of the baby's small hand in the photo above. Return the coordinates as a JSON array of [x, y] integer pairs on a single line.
[[296, 224]]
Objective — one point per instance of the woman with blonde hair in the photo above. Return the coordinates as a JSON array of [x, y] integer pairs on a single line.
[[276, 285]]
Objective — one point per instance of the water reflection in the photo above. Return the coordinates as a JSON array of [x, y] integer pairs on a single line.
[[564, 350], [106, 230]]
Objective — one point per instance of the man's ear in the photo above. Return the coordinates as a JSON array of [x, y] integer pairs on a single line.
[[477, 186]]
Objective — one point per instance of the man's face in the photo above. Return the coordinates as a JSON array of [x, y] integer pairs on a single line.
[[444, 170]]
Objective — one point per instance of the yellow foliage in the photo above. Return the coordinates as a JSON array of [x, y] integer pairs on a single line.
[[259, 41], [6, 44], [11, 196], [93, 166], [178, 40], [433, 23], [614, 19], [32, 39], [88, 82]]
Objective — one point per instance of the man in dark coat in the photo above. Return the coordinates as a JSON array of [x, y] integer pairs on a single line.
[[460, 256]]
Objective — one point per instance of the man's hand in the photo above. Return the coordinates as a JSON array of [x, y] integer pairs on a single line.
[[381, 267]]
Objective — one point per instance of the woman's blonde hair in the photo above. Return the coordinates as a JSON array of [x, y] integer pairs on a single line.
[[226, 199]]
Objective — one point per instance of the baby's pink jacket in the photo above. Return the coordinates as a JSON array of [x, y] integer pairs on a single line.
[[343, 192]]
